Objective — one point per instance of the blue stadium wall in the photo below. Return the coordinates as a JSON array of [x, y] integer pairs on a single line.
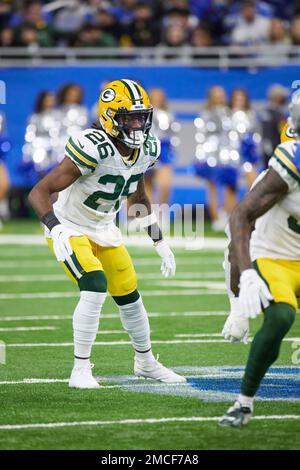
[[180, 83]]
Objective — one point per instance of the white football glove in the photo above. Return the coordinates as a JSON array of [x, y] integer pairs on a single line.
[[254, 294], [168, 265], [236, 328], [61, 243]]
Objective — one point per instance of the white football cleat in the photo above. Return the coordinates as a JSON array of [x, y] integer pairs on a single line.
[[236, 416], [81, 377], [155, 370]]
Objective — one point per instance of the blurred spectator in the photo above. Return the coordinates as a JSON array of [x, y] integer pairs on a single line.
[[4, 178], [164, 126], [73, 115], [33, 29], [228, 145], [251, 28], [203, 8], [30, 12], [7, 37], [244, 137], [28, 37], [278, 32], [175, 36], [143, 30], [272, 118], [182, 17], [91, 36], [41, 136], [6, 10], [108, 23], [70, 19], [4, 188], [145, 23], [201, 37], [125, 11], [49, 128], [212, 140], [295, 31]]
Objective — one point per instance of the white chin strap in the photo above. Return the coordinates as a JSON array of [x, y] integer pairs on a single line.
[[134, 140]]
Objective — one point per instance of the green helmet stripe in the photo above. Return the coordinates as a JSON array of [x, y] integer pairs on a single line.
[[134, 91], [129, 89]]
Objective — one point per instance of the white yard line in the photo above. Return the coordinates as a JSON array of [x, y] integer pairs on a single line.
[[113, 343], [189, 284], [34, 278], [198, 335], [131, 240], [114, 315], [29, 328], [142, 276], [181, 261], [33, 381], [48, 381], [151, 293], [35, 317], [179, 419], [186, 275], [126, 343], [27, 264]]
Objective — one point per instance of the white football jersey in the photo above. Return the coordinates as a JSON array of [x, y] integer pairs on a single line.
[[277, 233], [91, 203]]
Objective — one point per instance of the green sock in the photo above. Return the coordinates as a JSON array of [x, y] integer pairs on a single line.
[[278, 319]]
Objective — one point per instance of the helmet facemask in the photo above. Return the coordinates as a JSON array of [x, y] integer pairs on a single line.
[[133, 126], [294, 119]]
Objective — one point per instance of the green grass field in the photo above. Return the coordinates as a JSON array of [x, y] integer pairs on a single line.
[[186, 314]]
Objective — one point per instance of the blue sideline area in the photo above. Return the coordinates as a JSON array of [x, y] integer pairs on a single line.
[[180, 83]]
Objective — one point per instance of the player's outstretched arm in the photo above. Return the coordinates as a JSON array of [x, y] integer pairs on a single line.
[[61, 177], [253, 291], [268, 191], [147, 220]]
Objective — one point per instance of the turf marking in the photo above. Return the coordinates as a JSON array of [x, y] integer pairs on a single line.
[[114, 315], [131, 240], [29, 328], [141, 277], [180, 419], [126, 343], [198, 335], [112, 343], [190, 284], [152, 293], [12, 263]]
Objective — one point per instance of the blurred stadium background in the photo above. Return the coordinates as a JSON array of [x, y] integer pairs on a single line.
[[219, 73]]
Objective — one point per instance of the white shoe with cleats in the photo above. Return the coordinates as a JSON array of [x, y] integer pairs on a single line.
[[82, 377], [155, 370]]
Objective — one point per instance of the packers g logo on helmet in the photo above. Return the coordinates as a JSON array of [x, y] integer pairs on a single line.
[[287, 133], [108, 95], [125, 112]]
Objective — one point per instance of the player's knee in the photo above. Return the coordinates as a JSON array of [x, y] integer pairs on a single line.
[[126, 299], [94, 281], [281, 316], [124, 281]]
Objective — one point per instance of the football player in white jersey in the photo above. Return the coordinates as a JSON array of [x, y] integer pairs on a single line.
[[102, 167], [263, 272]]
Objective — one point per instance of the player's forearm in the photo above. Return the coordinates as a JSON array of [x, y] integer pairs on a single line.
[[40, 200], [148, 220], [234, 270], [143, 213], [240, 229], [4, 182]]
